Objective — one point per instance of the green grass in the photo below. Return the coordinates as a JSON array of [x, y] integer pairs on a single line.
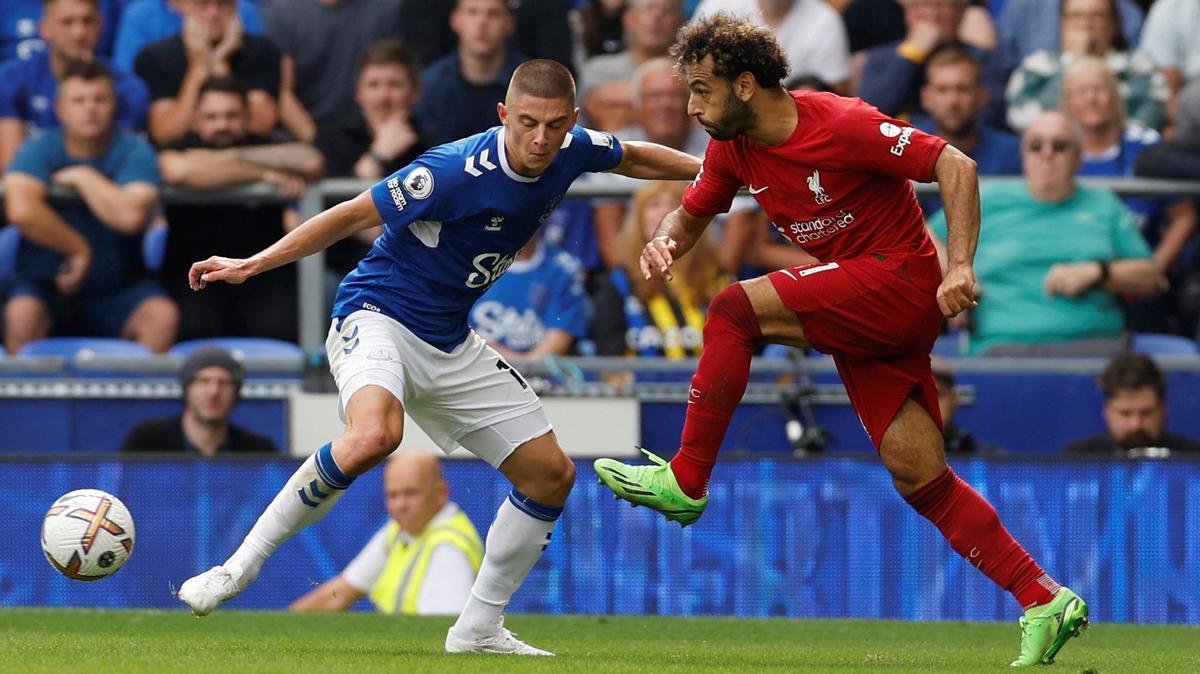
[[127, 642]]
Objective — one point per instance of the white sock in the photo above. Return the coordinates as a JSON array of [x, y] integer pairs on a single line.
[[310, 493], [515, 541]]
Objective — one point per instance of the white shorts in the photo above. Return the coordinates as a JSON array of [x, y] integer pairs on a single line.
[[469, 397]]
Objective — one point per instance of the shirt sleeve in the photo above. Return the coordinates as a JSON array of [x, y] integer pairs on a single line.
[[422, 190], [567, 308], [447, 583], [33, 159], [364, 569], [139, 165], [601, 150], [861, 138], [714, 187]]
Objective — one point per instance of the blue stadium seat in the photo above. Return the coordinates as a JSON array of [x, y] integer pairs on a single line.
[[242, 347], [10, 239], [154, 245], [84, 347], [1155, 344]]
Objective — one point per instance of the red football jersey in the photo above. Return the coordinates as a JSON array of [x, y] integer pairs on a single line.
[[838, 187]]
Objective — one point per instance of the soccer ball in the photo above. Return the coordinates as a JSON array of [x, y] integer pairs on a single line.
[[87, 534]]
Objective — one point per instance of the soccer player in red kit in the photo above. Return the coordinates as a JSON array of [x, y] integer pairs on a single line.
[[833, 175]]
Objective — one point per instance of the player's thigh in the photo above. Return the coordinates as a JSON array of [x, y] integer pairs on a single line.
[[470, 389], [374, 429], [778, 323], [912, 448], [364, 349]]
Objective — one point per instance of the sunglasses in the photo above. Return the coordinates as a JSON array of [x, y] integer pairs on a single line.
[[1057, 145]]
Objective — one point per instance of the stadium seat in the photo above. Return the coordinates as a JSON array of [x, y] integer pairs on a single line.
[[10, 239], [84, 347], [243, 348], [1155, 344], [154, 245]]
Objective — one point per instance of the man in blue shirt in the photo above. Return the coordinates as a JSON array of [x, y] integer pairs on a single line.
[[459, 90], [538, 308], [71, 29], [894, 73], [79, 266], [453, 222], [953, 97]]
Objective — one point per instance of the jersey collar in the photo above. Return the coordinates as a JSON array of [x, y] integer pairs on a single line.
[[502, 152]]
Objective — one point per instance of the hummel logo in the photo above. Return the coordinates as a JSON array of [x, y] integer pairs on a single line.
[[495, 226], [483, 162], [756, 191]]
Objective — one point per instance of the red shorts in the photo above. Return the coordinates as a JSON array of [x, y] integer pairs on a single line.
[[878, 317]]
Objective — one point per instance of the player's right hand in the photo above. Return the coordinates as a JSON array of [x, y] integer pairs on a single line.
[[958, 291], [658, 256], [217, 268]]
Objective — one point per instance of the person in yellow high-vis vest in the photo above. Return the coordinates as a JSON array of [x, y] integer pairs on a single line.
[[422, 562]]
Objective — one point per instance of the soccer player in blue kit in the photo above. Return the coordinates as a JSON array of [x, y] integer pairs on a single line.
[[453, 221]]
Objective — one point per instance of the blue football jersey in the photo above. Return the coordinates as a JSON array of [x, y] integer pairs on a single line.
[[453, 221], [542, 293], [1147, 211]]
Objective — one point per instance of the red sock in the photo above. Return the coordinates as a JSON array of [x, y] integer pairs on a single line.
[[974, 530], [730, 334]]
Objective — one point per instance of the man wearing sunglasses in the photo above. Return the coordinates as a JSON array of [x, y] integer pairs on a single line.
[[1054, 257]]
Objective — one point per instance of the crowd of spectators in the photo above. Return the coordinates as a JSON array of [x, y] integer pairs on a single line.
[[117, 98]]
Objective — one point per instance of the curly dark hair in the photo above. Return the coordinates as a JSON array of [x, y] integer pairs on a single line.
[[736, 46]]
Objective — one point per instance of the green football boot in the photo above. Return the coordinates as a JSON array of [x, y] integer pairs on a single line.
[[1046, 628], [652, 486]]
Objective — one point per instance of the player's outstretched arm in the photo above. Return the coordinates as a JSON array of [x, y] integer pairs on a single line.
[[675, 236], [651, 161], [959, 187], [317, 233]]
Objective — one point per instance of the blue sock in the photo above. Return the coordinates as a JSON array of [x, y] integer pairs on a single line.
[[533, 508], [328, 469]]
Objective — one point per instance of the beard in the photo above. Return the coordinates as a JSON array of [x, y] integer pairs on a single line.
[[737, 118], [1138, 439]]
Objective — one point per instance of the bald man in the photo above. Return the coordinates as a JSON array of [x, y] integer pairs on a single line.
[[422, 562]]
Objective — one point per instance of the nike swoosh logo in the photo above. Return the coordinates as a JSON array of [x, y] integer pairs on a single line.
[[756, 191]]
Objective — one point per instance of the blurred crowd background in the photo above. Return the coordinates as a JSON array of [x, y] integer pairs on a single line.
[[119, 100]]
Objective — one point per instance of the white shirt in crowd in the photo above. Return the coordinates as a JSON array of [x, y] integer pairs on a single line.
[[812, 35]]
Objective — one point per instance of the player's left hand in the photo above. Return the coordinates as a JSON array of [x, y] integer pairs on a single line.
[[958, 291], [1072, 280], [658, 256]]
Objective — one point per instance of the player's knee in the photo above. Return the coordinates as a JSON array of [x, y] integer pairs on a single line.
[[367, 446], [730, 308]]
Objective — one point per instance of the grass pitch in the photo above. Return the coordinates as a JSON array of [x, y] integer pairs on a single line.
[[130, 642]]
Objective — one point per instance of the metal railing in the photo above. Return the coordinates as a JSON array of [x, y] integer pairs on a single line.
[[311, 304]]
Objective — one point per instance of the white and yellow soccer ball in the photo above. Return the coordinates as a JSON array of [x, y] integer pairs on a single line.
[[87, 534]]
